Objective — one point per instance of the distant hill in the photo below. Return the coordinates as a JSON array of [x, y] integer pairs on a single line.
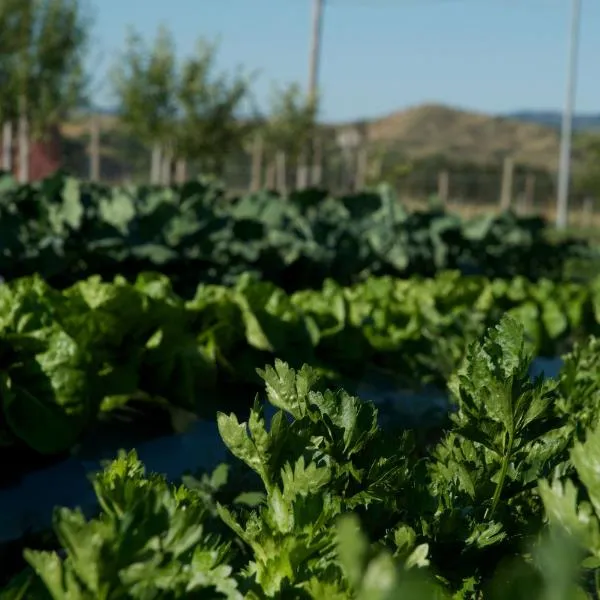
[[530, 137], [581, 122], [433, 129]]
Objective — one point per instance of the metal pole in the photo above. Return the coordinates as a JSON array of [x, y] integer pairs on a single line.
[[564, 165], [315, 48], [313, 78]]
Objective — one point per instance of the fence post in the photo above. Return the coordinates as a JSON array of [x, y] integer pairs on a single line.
[[529, 192], [316, 179], [167, 164], [7, 146], [94, 149], [361, 168], [507, 184], [271, 176], [156, 164], [444, 187], [181, 171], [24, 142], [281, 173], [588, 211], [257, 160]]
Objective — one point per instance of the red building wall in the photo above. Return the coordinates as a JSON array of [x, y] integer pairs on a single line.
[[44, 155]]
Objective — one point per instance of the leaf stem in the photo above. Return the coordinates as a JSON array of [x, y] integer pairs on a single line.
[[503, 473]]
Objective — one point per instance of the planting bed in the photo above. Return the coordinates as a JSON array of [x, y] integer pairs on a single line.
[[28, 506], [66, 230], [324, 470], [349, 413]]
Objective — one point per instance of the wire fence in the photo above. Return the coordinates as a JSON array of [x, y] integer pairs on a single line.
[[478, 190]]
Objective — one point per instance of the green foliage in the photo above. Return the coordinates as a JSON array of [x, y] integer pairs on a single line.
[[349, 510], [183, 107], [96, 346], [66, 230], [291, 121], [144, 81], [66, 356], [209, 128], [42, 53]]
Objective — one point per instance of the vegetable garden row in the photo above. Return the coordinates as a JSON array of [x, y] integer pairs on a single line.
[[146, 309], [69, 355], [322, 503], [66, 230]]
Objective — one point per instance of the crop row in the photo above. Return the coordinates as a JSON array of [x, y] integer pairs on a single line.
[[321, 503], [66, 230], [68, 356]]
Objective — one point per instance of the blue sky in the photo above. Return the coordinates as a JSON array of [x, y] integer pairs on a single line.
[[379, 56]]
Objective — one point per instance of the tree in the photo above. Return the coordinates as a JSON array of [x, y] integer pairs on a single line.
[[145, 81], [289, 127], [210, 124], [185, 111], [42, 53], [12, 12], [291, 122]]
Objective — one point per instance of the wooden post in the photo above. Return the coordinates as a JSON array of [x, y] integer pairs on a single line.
[[587, 212], [529, 192], [302, 175], [23, 141], [507, 184], [444, 187], [94, 149], [7, 146], [281, 172], [361, 169], [156, 164], [257, 163], [181, 171], [167, 164], [377, 171], [343, 172], [316, 179], [271, 177]]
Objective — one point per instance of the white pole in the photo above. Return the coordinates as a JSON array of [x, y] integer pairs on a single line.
[[564, 166], [315, 48], [308, 168]]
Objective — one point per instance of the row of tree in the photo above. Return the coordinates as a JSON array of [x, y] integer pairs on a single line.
[[188, 111], [183, 109]]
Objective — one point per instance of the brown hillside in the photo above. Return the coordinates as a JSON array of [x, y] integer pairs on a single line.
[[435, 129], [432, 129]]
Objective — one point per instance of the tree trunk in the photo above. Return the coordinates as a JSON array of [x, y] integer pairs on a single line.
[[23, 141], [7, 146]]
